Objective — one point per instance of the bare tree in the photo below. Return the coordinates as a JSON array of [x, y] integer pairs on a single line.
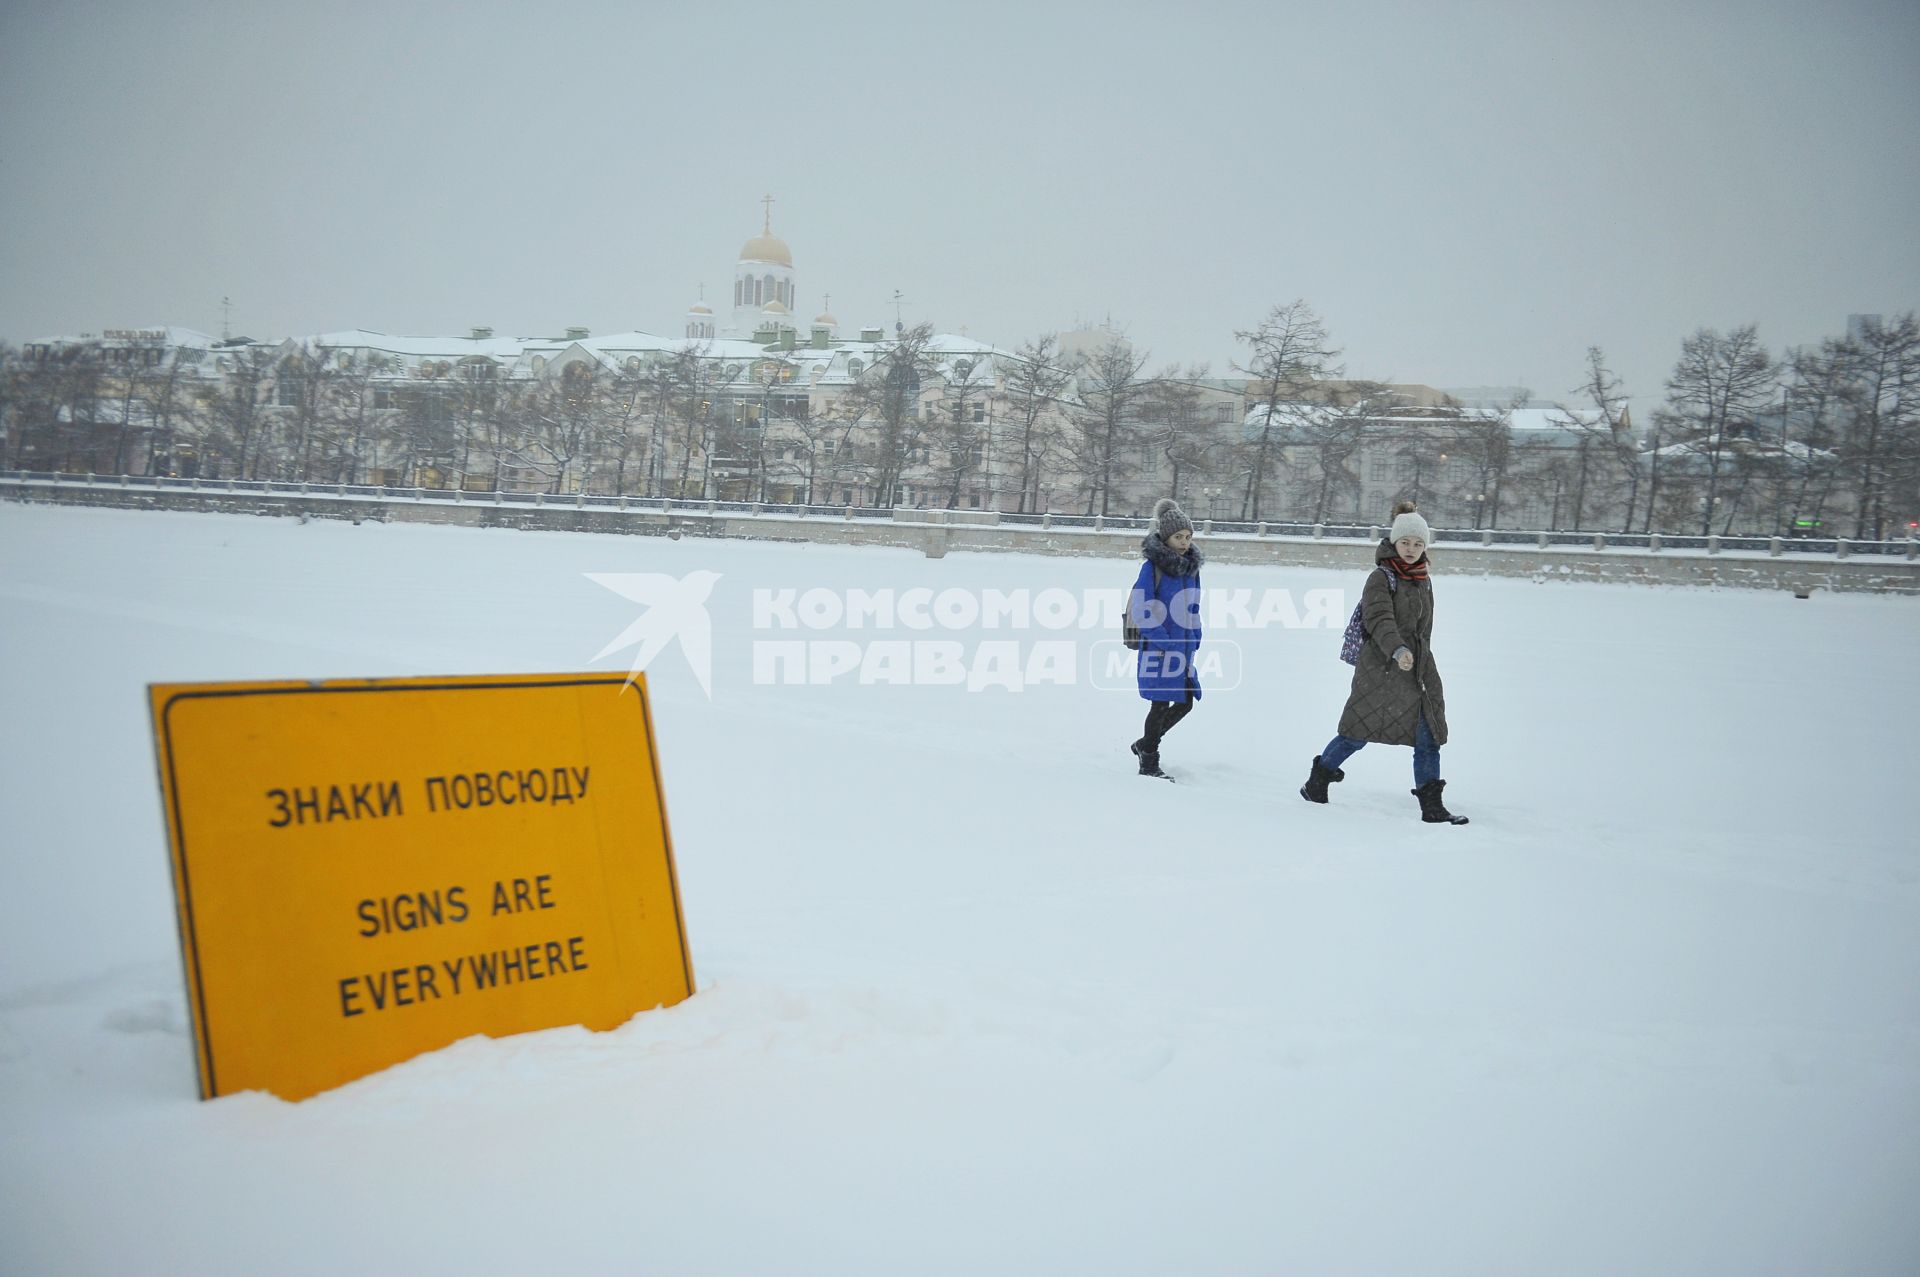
[[166, 391], [1414, 449], [1171, 415], [565, 414], [1604, 443], [1035, 383], [686, 390], [430, 429], [883, 409], [126, 412], [356, 401], [657, 391], [60, 402], [304, 392], [956, 438], [495, 417], [1882, 398], [1111, 390], [1810, 406], [238, 418], [46, 395], [803, 459], [1331, 433], [628, 399], [1720, 382], [1288, 355], [1541, 471], [750, 431], [1483, 443], [13, 379]]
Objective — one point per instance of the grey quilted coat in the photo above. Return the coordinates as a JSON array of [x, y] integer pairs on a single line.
[[1385, 704]]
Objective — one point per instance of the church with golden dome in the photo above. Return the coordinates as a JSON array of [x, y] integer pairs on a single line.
[[764, 294]]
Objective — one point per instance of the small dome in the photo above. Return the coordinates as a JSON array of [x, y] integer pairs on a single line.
[[775, 308], [698, 309], [826, 320], [766, 248]]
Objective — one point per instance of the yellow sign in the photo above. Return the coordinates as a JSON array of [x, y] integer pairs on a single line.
[[368, 869]]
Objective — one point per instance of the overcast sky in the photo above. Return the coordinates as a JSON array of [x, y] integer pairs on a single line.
[[1468, 194]]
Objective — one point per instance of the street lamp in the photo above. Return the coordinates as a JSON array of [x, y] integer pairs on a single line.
[[1478, 501]]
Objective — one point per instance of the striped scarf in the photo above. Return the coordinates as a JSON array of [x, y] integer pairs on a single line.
[[1408, 571]]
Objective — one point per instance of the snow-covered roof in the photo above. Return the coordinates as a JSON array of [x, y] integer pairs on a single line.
[[948, 344], [1538, 419], [419, 347], [159, 335], [1536, 425], [528, 355], [1699, 449]]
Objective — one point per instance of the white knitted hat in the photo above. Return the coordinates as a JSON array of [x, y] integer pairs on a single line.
[[1410, 524]]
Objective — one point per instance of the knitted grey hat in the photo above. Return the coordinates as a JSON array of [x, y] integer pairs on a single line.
[[1169, 518]]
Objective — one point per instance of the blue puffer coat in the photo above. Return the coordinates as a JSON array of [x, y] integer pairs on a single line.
[[1170, 632]]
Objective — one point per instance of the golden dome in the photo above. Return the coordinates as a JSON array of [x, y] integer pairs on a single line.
[[698, 309], [766, 248], [775, 308], [826, 318]]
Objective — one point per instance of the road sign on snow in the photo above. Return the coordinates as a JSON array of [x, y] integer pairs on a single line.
[[368, 869]]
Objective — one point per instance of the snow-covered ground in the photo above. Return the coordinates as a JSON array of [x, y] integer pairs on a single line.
[[974, 998]]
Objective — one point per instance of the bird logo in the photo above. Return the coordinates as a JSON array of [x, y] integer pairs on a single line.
[[676, 607]]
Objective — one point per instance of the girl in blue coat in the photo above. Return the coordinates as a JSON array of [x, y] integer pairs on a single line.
[[1165, 605]]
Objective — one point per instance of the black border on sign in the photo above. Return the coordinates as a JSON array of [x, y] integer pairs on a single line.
[[184, 914]]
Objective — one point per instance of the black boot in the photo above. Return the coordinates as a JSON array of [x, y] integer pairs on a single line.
[[1432, 810], [1149, 759], [1315, 790]]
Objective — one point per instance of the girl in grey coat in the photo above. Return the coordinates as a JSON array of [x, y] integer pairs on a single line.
[[1397, 696]]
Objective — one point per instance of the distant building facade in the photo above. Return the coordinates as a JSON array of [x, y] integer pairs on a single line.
[[750, 406]]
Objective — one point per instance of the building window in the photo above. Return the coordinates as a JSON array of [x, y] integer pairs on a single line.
[[979, 412], [1377, 468]]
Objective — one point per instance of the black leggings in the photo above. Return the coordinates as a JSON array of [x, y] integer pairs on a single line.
[[1161, 716]]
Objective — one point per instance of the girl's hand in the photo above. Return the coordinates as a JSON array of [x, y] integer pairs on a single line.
[[1405, 658]]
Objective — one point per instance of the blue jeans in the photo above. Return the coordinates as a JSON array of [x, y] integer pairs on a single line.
[[1426, 754]]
